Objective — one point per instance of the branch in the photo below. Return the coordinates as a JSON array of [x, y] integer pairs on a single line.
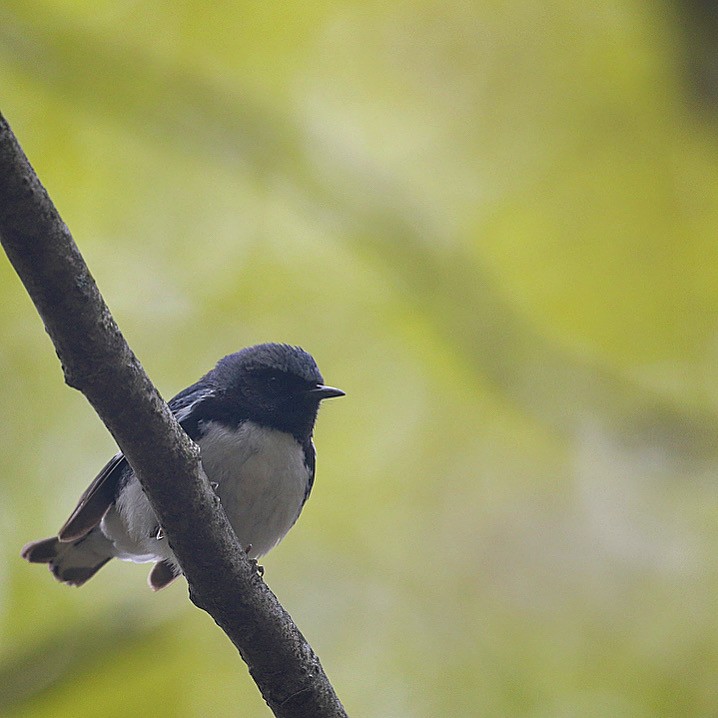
[[96, 360]]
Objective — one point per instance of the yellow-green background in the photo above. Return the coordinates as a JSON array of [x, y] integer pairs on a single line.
[[495, 226]]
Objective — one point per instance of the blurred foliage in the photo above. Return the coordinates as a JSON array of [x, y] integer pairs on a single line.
[[494, 226]]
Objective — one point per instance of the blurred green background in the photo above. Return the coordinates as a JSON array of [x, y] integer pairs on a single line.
[[494, 225]]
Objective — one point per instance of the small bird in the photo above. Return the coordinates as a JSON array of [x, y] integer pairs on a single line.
[[252, 417]]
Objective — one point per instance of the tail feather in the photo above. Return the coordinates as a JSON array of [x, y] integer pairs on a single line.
[[40, 551], [73, 562], [162, 574]]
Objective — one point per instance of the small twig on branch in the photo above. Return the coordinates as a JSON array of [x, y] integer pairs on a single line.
[[96, 360]]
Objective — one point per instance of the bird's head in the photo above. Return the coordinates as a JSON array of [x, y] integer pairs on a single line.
[[275, 385]]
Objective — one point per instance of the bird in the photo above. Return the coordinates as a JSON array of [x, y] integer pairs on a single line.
[[253, 418]]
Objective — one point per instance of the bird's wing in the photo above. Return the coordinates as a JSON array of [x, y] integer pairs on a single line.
[[93, 504], [101, 493], [186, 406]]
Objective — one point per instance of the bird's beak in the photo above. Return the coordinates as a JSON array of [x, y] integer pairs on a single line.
[[322, 391]]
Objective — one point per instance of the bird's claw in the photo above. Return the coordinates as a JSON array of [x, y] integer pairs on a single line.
[[256, 566]]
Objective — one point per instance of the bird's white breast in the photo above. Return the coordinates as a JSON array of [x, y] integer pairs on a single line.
[[262, 479]]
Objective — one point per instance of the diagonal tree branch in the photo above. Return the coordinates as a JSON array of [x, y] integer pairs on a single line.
[[96, 360]]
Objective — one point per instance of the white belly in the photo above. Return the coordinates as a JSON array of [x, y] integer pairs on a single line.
[[262, 480]]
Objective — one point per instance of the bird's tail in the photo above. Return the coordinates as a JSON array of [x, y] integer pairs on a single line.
[[72, 562]]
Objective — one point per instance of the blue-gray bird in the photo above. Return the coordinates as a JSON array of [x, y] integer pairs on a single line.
[[252, 417]]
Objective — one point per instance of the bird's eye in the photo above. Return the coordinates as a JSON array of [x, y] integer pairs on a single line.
[[272, 382]]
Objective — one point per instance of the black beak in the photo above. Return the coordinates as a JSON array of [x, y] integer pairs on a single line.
[[322, 391]]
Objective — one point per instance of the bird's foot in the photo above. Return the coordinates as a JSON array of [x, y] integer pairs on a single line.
[[256, 566]]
